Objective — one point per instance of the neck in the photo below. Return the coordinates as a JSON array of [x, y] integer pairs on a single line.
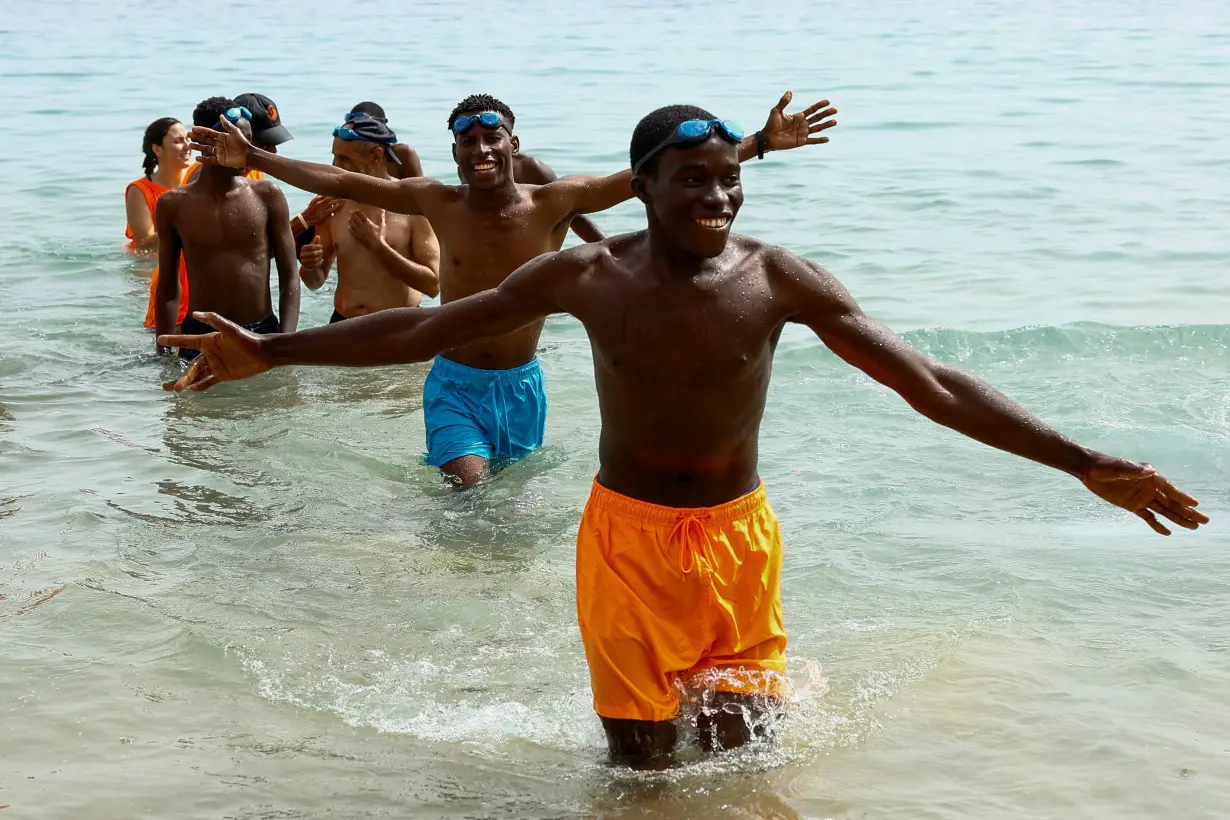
[[168, 176], [673, 261], [220, 179], [493, 199]]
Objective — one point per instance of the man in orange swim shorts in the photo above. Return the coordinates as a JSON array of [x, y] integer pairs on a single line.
[[679, 554]]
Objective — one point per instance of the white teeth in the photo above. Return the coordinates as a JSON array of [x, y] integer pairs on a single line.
[[485, 166], [720, 222]]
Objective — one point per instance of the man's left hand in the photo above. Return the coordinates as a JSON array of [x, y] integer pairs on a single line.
[[1139, 489], [783, 131]]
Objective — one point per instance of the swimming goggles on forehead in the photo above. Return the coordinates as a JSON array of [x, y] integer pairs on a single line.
[[693, 131], [234, 115], [487, 119]]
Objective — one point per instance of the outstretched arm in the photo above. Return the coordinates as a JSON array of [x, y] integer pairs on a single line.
[[959, 400], [396, 336], [782, 132], [230, 148]]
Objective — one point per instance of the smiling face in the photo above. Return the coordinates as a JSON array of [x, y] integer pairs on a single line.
[[484, 156], [174, 150], [694, 195]]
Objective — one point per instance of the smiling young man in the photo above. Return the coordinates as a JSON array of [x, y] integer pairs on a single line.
[[484, 401], [679, 553]]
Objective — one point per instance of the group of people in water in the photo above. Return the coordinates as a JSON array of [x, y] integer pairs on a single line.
[[679, 553]]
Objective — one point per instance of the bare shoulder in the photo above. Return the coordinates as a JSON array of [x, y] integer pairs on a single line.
[[173, 199], [266, 189], [532, 170]]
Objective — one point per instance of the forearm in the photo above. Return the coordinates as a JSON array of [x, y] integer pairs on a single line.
[[971, 406], [418, 276], [166, 307], [288, 304], [382, 338], [307, 176], [149, 242], [314, 278]]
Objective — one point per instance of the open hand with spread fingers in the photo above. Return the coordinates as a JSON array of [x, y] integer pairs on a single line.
[[783, 131], [1139, 489], [231, 353], [227, 147]]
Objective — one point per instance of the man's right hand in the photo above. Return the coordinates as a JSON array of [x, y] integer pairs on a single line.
[[227, 147], [230, 354], [312, 255]]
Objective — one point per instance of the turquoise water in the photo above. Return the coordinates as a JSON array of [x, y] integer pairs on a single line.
[[269, 610]]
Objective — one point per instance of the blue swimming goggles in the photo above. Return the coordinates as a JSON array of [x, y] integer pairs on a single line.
[[234, 115], [487, 119], [693, 131]]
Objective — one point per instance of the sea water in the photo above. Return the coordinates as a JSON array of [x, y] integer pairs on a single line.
[[256, 603]]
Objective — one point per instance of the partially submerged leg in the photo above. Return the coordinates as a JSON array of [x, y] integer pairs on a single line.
[[728, 720], [641, 744], [467, 471]]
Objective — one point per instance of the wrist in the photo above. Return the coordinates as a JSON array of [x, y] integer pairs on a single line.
[[275, 348], [256, 159], [1078, 460]]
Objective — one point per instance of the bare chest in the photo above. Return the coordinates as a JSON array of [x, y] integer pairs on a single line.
[[479, 250]]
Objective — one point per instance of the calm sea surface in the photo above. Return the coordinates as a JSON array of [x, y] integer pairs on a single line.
[[268, 609]]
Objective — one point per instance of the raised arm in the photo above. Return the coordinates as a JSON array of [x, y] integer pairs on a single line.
[[170, 246], [282, 249], [581, 194], [954, 398], [397, 336], [230, 148]]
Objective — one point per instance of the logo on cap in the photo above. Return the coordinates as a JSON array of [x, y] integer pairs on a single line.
[[272, 111]]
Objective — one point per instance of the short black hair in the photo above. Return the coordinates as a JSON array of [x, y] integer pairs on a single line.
[[655, 127], [371, 109], [482, 102], [208, 112]]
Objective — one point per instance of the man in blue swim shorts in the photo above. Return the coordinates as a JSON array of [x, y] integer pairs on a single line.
[[484, 401]]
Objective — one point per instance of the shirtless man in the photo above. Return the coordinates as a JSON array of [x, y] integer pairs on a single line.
[[485, 400], [526, 169], [402, 161], [678, 553], [228, 229], [384, 260]]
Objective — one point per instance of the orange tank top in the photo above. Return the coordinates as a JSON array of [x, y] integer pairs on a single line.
[[150, 190]]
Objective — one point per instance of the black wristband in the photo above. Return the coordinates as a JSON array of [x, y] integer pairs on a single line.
[[760, 145]]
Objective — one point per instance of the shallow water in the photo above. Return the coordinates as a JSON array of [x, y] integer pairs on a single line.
[[267, 608]]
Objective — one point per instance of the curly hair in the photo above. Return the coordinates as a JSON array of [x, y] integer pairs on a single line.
[[482, 102]]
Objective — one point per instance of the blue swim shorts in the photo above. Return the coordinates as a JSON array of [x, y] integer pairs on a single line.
[[497, 414]]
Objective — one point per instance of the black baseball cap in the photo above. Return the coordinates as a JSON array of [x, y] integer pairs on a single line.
[[266, 122]]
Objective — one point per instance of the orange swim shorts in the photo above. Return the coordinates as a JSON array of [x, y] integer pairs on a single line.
[[667, 595]]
